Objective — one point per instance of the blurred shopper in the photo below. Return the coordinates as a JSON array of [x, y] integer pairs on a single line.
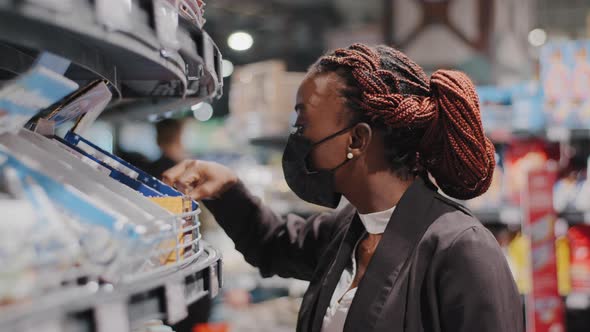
[[135, 158], [169, 139], [371, 126]]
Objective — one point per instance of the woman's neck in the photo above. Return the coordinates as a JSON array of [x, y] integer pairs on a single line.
[[377, 192]]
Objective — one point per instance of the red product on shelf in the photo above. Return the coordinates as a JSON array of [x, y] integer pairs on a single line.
[[579, 238], [545, 308], [522, 156], [211, 327]]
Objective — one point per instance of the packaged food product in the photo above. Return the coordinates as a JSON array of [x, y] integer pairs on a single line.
[[579, 239]]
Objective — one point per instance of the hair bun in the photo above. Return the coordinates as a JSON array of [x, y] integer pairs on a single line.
[[454, 148], [393, 90]]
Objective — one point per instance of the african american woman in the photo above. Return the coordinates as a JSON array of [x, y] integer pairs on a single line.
[[372, 127]]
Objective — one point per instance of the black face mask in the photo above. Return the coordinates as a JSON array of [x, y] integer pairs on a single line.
[[315, 187]]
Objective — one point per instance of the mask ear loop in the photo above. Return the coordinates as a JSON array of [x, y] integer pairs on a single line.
[[340, 132]]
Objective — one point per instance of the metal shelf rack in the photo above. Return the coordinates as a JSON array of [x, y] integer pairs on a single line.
[[103, 307], [135, 63], [140, 67]]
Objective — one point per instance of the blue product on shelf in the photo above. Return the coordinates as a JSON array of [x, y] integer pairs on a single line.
[[87, 102], [22, 98], [558, 75], [527, 107], [581, 71], [126, 177], [489, 94], [121, 166], [496, 111], [581, 82], [64, 197]]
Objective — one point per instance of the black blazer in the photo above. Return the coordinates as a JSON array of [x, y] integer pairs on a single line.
[[436, 268]]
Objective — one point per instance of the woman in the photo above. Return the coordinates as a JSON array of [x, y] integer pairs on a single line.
[[400, 257]]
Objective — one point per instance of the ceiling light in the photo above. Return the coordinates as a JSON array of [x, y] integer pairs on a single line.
[[202, 111], [240, 41], [537, 37], [227, 68]]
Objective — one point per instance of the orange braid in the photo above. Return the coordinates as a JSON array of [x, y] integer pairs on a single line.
[[454, 148]]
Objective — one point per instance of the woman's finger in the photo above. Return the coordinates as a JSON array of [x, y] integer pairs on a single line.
[[202, 191], [171, 176], [187, 181]]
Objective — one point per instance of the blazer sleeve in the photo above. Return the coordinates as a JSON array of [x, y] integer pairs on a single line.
[[289, 247], [476, 288]]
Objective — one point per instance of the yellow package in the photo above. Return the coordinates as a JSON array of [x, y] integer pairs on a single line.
[[519, 252], [176, 205], [562, 249]]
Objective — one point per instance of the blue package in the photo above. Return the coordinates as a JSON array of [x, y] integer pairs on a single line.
[[581, 83], [557, 78], [31, 92], [123, 166], [65, 198], [116, 174], [493, 94], [527, 104]]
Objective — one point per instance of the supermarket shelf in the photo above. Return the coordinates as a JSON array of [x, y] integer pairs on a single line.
[[210, 74], [553, 134], [134, 62], [577, 301], [129, 110], [511, 216], [575, 217], [164, 295], [13, 62]]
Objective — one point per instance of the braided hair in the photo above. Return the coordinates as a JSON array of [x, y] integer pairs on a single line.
[[429, 125]]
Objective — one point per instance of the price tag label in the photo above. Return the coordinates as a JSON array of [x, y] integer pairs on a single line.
[[558, 134], [220, 272], [166, 17], [214, 281], [115, 14], [110, 317], [511, 216], [175, 302], [578, 301], [208, 52]]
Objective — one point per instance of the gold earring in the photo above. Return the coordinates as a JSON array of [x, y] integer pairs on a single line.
[[350, 155]]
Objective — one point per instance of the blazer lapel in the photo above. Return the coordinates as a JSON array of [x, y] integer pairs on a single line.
[[408, 223], [332, 277]]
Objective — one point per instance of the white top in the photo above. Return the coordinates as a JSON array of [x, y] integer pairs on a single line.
[[375, 223]]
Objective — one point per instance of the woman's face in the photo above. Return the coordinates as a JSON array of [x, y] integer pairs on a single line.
[[321, 112]]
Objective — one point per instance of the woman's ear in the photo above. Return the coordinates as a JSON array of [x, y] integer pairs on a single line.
[[360, 138]]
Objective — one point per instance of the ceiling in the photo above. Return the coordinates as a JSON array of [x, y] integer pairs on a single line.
[[294, 30]]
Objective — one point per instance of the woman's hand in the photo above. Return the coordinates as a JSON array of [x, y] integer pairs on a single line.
[[200, 179]]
